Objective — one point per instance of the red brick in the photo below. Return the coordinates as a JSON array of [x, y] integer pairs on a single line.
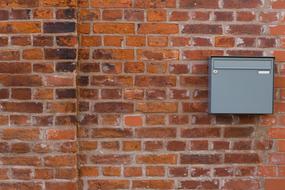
[[19, 4], [164, 54], [200, 159], [60, 160], [131, 145], [240, 184], [201, 132], [202, 29], [54, 134], [179, 16], [134, 15], [134, 121], [153, 184], [237, 132], [108, 28], [155, 107], [132, 171], [108, 4], [176, 146], [156, 132], [156, 15], [108, 184], [279, 56], [111, 171], [155, 171], [200, 54], [244, 29], [178, 171], [20, 160], [205, 184], [61, 185], [111, 159], [222, 41], [278, 4], [55, 3], [155, 4], [111, 133], [246, 16], [20, 27], [242, 158], [277, 158], [240, 4], [199, 4], [153, 28]]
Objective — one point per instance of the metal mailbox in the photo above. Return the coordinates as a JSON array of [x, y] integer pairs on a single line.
[[241, 85]]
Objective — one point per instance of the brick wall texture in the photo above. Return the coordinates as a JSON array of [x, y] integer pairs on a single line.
[[112, 94]]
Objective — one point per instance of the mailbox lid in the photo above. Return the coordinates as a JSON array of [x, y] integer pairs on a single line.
[[242, 64], [241, 85]]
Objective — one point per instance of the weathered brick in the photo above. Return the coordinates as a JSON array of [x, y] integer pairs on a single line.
[[205, 184]]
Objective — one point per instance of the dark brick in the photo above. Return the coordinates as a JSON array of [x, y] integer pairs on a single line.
[[66, 14], [114, 107], [242, 158], [4, 15], [202, 29], [60, 53], [238, 132], [65, 93], [65, 67], [59, 27], [20, 14]]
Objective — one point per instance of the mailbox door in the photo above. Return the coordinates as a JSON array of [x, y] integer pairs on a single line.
[[241, 85]]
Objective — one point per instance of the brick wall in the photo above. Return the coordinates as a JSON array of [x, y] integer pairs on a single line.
[[38, 42], [137, 116]]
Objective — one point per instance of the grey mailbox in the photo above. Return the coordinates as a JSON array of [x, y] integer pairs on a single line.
[[241, 85]]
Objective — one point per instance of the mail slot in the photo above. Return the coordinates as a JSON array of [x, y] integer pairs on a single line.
[[241, 85]]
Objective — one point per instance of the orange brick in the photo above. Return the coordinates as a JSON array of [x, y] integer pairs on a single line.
[[277, 30], [131, 145], [41, 13], [111, 171], [113, 4], [157, 28], [33, 54], [222, 41], [61, 3], [20, 27], [133, 121], [57, 134], [156, 15], [113, 28], [274, 184]]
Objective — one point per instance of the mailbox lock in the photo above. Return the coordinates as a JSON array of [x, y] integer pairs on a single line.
[[215, 71]]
